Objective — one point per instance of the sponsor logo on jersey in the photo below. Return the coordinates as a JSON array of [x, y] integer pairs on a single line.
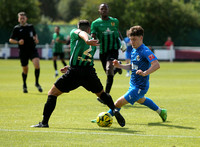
[[138, 58], [151, 57], [112, 24]]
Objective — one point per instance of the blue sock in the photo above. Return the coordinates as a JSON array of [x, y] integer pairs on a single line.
[[111, 112], [149, 103]]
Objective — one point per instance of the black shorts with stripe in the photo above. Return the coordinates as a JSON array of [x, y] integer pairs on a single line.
[[79, 76]]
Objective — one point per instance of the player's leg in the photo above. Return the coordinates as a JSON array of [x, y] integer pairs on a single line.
[[49, 107], [55, 64], [24, 77], [62, 58], [24, 63], [65, 83], [36, 63], [149, 103], [110, 75]]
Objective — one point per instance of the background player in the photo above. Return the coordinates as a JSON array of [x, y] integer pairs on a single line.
[[80, 73], [25, 36], [106, 30], [58, 41], [128, 52]]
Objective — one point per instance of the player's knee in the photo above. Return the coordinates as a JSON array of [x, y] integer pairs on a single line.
[[141, 100]]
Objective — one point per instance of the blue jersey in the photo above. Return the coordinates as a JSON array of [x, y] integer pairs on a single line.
[[141, 58]]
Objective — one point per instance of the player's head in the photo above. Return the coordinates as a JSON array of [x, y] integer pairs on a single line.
[[22, 18], [103, 9], [136, 34], [57, 29], [84, 25]]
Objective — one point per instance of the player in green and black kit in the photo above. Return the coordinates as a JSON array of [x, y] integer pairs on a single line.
[[105, 29], [58, 41], [80, 73]]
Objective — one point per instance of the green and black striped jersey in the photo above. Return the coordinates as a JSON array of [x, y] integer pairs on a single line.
[[107, 33], [81, 53]]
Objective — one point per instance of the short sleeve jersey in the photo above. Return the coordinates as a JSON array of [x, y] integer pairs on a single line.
[[58, 46], [141, 58], [26, 33], [107, 33], [81, 53]]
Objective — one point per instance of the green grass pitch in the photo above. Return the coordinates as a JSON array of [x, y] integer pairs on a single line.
[[175, 86]]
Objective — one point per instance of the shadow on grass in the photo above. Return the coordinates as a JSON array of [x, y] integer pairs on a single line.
[[110, 129], [168, 125]]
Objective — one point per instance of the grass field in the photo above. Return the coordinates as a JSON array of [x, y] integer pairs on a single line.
[[175, 86]]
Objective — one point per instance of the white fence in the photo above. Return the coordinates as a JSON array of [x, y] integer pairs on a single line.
[[174, 53]]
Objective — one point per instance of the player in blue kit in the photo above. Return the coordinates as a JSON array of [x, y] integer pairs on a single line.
[[143, 63], [128, 52]]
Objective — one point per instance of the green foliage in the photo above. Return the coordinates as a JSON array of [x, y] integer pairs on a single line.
[[10, 8], [175, 86], [69, 9]]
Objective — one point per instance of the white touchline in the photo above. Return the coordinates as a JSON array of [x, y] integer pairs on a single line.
[[99, 133]]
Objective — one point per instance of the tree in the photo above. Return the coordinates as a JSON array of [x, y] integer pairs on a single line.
[[69, 9], [49, 8], [10, 8]]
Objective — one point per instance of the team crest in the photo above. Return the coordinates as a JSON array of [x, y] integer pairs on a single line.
[[138, 58], [112, 24]]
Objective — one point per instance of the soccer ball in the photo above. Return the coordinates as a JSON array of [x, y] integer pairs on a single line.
[[104, 119]]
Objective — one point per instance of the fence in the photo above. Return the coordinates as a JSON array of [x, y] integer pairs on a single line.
[[174, 53]]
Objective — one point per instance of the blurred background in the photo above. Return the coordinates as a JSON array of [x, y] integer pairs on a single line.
[[179, 19]]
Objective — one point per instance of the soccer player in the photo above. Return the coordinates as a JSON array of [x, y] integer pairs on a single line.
[[128, 52], [143, 63], [106, 30], [58, 41], [25, 36], [80, 73]]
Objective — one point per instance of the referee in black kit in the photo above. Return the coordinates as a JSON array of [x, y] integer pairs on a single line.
[[25, 36]]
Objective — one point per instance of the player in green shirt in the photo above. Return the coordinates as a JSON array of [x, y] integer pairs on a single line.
[[106, 30], [58, 41], [80, 73]]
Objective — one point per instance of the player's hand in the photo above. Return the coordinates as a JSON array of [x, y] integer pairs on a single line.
[[116, 63], [64, 69], [123, 46], [140, 72], [92, 42], [21, 42], [35, 39]]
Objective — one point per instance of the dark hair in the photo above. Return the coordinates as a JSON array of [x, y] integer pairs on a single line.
[[21, 14], [83, 25], [57, 27], [104, 4], [136, 31]]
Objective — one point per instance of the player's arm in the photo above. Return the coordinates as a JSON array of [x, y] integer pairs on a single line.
[[122, 66], [35, 38], [154, 66], [14, 41], [85, 37]]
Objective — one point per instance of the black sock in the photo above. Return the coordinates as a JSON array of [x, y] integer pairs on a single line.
[[37, 74], [24, 76], [64, 63], [107, 100], [48, 108], [55, 64], [109, 83]]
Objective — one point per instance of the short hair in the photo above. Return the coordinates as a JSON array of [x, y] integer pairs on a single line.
[[57, 27], [21, 14], [83, 25], [104, 4], [136, 31]]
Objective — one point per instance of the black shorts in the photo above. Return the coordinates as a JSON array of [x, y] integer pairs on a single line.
[[110, 56], [80, 76], [61, 55], [25, 56]]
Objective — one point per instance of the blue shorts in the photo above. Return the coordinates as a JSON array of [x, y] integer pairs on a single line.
[[134, 94]]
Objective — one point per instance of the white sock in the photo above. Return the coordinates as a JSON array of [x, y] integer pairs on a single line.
[[159, 110], [56, 72]]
